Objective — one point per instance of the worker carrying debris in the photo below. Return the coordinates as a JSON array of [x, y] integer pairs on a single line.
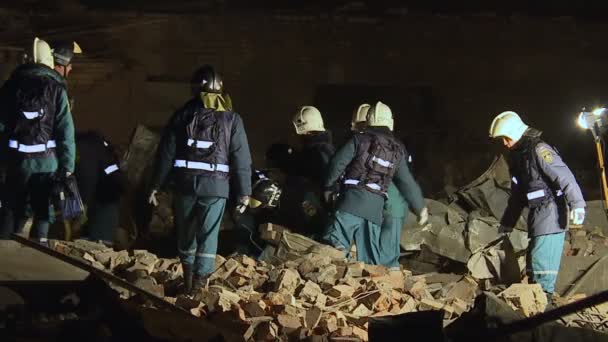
[[206, 146], [37, 140], [544, 183], [370, 160]]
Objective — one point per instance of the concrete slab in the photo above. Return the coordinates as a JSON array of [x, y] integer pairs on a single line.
[[18, 263]]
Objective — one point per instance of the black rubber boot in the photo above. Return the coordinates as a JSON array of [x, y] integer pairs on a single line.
[[187, 268], [198, 283]]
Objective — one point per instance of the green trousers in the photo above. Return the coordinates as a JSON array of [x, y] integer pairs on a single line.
[[346, 228], [198, 221]]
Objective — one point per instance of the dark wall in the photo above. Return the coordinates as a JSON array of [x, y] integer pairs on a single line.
[[445, 77]]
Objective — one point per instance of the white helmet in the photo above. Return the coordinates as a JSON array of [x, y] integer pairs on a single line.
[[42, 53], [359, 115], [308, 119], [380, 115], [508, 124]]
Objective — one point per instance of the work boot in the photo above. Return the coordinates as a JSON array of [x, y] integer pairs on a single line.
[[187, 269], [198, 283], [551, 302]]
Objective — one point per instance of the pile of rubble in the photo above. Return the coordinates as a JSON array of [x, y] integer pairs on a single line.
[[317, 293]]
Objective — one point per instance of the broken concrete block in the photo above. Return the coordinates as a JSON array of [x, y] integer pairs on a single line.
[[362, 311], [289, 323], [329, 322], [88, 257], [339, 291], [310, 291], [267, 331], [528, 299], [360, 333], [354, 270], [374, 271], [149, 284], [225, 270], [281, 298], [103, 256], [419, 291], [465, 289], [326, 277], [255, 309], [312, 317], [218, 299], [427, 304], [459, 306], [245, 272], [410, 305], [343, 331], [321, 301], [237, 281], [288, 280], [119, 260], [246, 261]]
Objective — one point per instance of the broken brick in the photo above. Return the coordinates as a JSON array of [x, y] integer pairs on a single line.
[[339, 291], [312, 317], [310, 291]]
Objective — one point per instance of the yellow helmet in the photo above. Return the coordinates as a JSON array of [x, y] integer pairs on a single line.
[[42, 53], [380, 115], [308, 119], [359, 116], [508, 124]]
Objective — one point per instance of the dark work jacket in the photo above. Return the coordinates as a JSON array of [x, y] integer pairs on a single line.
[[312, 160], [239, 159], [542, 182], [96, 162], [363, 203]]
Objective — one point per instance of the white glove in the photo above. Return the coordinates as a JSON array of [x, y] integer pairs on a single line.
[[152, 199], [577, 216], [423, 217], [241, 205]]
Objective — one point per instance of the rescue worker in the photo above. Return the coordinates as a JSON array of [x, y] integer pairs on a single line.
[[370, 160], [100, 180], [101, 183], [544, 183], [395, 207], [63, 52], [317, 148], [37, 140], [303, 186], [206, 146]]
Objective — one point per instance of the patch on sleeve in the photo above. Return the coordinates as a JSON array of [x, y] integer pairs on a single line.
[[546, 154]]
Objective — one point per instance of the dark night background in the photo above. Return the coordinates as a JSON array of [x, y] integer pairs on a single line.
[[445, 68]]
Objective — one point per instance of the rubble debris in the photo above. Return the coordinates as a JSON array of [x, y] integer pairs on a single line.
[[306, 292], [529, 299], [311, 293]]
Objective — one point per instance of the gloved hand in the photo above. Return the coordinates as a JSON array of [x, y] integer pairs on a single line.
[[152, 199], [577, 216], [241, 205], [504, 229], [423, 217], [328, 196]]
